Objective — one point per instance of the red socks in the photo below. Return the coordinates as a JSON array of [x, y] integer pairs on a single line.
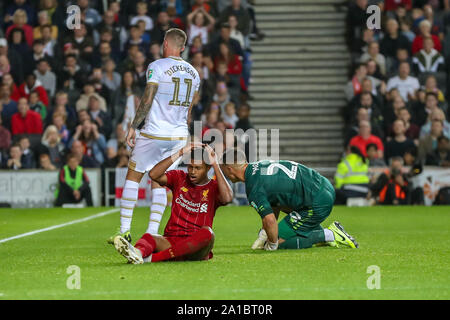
[[190, 245], [146, 245]]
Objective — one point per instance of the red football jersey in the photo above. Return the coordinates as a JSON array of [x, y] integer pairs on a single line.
[[193, 206]]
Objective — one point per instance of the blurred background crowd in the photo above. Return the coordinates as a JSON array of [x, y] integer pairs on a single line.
[[75, 91], [397, 95]]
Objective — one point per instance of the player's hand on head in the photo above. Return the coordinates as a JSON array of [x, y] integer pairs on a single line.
[[211, 154]]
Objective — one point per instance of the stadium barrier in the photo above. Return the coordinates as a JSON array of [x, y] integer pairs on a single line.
[[31, 188], [36, 188]]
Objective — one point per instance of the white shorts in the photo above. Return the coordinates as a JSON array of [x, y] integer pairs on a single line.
[[147, 152]]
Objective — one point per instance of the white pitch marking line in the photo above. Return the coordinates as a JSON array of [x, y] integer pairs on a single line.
[[98, 215]]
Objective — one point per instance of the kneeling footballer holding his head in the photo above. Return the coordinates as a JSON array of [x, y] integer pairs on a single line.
[[188, 234], [274, 186]]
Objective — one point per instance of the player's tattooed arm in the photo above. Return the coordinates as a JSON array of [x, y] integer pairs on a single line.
[[195, 100], [145, 104]]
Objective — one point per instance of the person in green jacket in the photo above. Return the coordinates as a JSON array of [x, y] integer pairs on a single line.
[[73, 184], [351, 179]]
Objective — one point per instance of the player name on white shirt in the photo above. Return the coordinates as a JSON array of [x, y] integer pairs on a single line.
[[177, 82]]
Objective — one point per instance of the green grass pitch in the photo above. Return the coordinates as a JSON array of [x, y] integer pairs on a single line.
[[410, 245]]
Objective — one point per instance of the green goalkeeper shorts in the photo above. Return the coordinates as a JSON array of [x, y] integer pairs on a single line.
[[306, 219]]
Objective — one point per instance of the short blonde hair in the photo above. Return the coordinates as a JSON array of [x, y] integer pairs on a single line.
[[177, 37]]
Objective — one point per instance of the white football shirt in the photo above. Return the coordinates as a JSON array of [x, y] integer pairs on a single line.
[[177, 82]]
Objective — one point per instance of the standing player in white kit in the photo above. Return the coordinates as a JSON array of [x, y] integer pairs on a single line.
[[172, 86]]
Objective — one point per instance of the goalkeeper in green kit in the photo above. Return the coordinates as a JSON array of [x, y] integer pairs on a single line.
[[274, 186]]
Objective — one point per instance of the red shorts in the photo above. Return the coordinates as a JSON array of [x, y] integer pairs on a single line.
[[194, 256]]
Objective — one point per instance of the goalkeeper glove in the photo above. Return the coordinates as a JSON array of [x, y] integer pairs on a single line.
[[271, 246]]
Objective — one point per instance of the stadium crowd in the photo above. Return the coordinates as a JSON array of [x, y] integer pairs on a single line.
[[74, 91], [397, 93]]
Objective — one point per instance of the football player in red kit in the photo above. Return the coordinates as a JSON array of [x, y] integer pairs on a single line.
[[188, 234]]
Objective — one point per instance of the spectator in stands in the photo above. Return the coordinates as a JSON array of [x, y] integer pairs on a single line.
[[229, 116], [37, 106], [139, 70], [425, 32], [110, 78], [120, 159], [72, 75], [412, 130], [113, 143], [428, 59], [14, 64], [85, 160], [373, 71], [163, 24], [44, 20], [410, 157], [365, 137], [436, 115], [8, 107], [441, 156], [431, 86], [356, 19], [14, 161], [397, 146], [37, 55], [93, 141], [372, 156], [20, 5], [31, 84], [59, 121], [88, 92], [405, 27], [91, 16], [101, 118], [28, 158], [373, 52], [424, 110], [240, 12], [393, 5], [393, 40], [17, 43], [406, 84], [351, 178], [5, 137], [46, 77], [199, 23], [401, 56], [48, 41], [141, 9], [354, 85], [392, 187], [225, 37], [51, 144], [26, 121], [20, 22], [45, 163], [73, 184], [428, 143], [221, 97]]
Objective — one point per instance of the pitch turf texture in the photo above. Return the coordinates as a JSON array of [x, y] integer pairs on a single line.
[[410, 245]]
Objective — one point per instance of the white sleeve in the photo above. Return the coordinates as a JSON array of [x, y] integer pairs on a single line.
[[153, 73]]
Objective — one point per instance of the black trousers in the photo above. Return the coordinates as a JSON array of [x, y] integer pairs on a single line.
[[65, 195]]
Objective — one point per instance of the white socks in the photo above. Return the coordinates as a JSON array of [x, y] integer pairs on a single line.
[[329, 235], [127, 203], [159, 202]]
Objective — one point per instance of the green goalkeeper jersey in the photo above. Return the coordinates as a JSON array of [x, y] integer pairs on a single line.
[[280, 184]]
